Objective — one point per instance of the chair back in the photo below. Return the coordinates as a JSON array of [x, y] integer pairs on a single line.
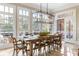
[[57, 37], [51, 37], [16, 42]]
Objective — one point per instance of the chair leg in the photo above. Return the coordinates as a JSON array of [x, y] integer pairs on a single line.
[[39, 51], [36, 52], [60, 45], [26, 52], [57, 46], [45, 50], [33, 52], [53, 45], [23, 52], [49, 48], [13, 52], [16, 53]]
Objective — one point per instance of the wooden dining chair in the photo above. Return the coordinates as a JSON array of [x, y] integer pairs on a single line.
[[43, 44], [35, 46], [58, 40], [18, 45], [47, 44], [78, 51], [51, 38]]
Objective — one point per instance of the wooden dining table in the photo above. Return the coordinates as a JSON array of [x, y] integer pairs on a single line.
[[30, 40]]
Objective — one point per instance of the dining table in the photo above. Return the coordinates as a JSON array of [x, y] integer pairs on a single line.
[[30, 39]]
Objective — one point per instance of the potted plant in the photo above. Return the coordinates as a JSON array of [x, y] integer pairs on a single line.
[[43, 33]]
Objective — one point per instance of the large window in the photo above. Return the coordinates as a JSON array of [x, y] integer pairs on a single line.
[[36, 27], [23, 21], [6, 19], [7, 24]]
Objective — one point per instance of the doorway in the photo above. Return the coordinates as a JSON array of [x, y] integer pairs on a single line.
[[60, 25]]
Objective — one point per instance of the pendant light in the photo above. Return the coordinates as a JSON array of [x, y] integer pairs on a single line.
[[39, 14], [49, 15]]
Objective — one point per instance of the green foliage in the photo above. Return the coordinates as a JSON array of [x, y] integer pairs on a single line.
[[7, 28], [44, 33]]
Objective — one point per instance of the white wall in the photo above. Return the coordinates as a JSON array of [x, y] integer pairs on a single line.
[[67, 15], [77, 14]]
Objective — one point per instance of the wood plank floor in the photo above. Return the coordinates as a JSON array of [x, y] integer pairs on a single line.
[[67, 49]]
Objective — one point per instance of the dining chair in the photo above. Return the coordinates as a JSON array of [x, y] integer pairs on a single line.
[[51, 43], [78, 51], [18, 45], [35, 46], [43, 44], [58, 40]]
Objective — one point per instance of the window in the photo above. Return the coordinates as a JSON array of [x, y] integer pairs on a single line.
[[23, 12], [8, 24], [6, 19], [23, 20], [6, 9], [36, 26], [1, 7], [11, 10]]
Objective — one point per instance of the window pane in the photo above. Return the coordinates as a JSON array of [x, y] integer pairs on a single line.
[[27, 13], [45, 27], [8, 24], [11, 10], [10, 19], [6, 19], [1, 16], [1, 8], [6, 16], [23, 22], [24, 12], [6, 9], [35, 15], [1, 19], [20, 12]]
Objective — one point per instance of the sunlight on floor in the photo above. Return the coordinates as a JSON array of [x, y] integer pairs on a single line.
[[66, 50]]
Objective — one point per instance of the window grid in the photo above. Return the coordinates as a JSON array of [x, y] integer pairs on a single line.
[[6, 18], [23, 18]]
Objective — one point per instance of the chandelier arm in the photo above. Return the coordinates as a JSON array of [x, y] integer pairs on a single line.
[[47, 8]]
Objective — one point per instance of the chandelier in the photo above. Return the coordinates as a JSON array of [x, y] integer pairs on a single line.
[[46, 13]]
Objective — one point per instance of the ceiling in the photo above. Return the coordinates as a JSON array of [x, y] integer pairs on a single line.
[[53, 7]]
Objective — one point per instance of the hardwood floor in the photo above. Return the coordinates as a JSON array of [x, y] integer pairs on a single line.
[[67, 49]]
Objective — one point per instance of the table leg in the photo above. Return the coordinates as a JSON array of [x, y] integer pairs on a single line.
[[30, 49]]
